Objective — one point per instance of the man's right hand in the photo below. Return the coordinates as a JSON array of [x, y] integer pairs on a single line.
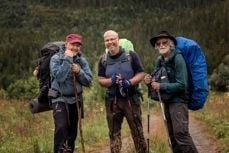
[[69, 53], [115, 79]]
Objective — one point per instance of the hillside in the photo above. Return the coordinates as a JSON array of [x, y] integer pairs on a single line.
[[27, 25]]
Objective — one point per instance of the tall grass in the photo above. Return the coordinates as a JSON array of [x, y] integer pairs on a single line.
[[215, 113], [158, 139], [23, 132], [157, 135], [94, 128]]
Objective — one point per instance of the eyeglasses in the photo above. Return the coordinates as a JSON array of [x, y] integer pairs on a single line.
[[111, 39], [163, 43]]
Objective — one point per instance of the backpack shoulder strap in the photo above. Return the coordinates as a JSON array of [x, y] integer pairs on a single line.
[[103, 59], [128, 57], [172, 61], [127, 54]]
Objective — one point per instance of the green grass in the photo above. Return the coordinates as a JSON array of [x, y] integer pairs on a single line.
[[94, 128], [215, 114], [23, 132]]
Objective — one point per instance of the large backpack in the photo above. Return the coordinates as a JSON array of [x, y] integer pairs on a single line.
[[47, 51], [197, 69], [42, 103]]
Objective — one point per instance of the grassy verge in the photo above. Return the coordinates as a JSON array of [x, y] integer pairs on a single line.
[[157, 136], [23, 132], [215, 114], [158, 139]]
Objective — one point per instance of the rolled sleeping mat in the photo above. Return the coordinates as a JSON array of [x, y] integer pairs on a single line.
[[36, 107]]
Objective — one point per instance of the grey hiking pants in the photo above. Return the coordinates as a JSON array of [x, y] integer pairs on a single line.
[[115, 115], [177, 122]]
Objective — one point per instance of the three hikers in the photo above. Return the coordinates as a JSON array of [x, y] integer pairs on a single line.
[[120, 72], [66, 92]]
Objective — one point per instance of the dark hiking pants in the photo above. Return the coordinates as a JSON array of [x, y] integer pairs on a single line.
[[177, 122], [65, 127], [115, 115]]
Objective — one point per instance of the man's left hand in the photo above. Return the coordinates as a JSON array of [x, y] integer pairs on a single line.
[[125, 84], [155, 85]]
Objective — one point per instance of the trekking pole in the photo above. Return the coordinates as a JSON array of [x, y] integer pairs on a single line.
[[165, 121], [79, 113], [113, 110], [148, 126]]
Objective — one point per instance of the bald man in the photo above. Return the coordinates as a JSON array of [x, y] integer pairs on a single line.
[[120, 73]]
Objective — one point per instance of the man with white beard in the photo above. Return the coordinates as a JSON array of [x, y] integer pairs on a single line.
[[175, 109]]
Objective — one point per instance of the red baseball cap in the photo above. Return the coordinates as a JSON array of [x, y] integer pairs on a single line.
[[74, 38]]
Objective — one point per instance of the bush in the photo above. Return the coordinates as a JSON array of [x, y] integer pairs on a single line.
[[219, 79], [3, 94], [24, 89]]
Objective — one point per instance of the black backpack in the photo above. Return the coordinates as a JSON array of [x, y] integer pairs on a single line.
[[42, 103], [159, 75]]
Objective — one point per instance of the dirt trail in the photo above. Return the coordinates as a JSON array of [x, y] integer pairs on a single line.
[[205, 143]]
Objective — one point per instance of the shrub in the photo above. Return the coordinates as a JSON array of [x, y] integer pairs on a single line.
[[3, 94], [219, 79], [23, 89]]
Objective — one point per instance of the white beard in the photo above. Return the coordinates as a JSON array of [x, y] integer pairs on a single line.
[[163, 51]]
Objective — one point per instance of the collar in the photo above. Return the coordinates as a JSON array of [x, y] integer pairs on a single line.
[[117, 55]]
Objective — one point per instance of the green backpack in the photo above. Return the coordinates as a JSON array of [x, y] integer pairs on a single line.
[[126, 44]]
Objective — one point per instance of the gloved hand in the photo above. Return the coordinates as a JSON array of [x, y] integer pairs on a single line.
[[125, 84], [114, 79]]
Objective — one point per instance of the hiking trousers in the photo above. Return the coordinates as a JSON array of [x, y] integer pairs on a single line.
[[178, 122], [115, 114], [65, 120]]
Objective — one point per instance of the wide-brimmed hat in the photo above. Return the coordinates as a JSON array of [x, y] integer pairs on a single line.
[[162, 34], [74, 38]]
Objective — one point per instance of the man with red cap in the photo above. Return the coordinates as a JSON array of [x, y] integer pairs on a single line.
[[63, 67]]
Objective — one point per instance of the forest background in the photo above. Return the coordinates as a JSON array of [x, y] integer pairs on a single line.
[[26, 25]]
